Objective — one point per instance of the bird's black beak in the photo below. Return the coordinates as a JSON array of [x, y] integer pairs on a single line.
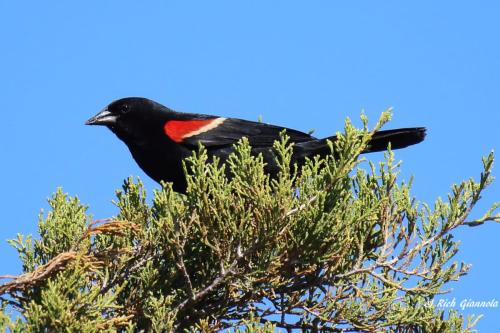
[[104, 117]]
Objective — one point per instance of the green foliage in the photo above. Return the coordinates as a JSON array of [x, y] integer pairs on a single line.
[[325, 246]]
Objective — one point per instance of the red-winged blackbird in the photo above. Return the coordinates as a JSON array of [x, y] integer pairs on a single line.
[[160, 138]]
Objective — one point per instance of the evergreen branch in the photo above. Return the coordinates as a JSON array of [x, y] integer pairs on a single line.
[[327, 247], [215, 283]]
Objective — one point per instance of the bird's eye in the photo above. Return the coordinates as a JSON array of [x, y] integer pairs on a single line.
[[124, 109]]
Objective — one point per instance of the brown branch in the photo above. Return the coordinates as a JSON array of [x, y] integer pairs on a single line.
[[61, 261], [43, 272], [110, 227], [305, 327], [185, 274]]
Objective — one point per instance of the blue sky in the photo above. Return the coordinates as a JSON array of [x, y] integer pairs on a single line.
[[305, 65]]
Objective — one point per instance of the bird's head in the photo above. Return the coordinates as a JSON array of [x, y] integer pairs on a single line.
[[132, 118]]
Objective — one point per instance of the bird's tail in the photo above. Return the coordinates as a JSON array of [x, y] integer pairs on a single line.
[[398, 138]]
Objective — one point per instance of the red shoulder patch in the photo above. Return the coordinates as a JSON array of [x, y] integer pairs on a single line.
[[178, 130]]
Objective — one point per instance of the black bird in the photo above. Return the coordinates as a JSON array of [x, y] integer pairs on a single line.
[[160, 138]]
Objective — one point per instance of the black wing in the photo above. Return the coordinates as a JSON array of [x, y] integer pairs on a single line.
[[228, 131]]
